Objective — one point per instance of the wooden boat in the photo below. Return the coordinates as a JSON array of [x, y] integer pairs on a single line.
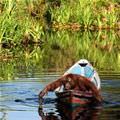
[[84, 68], [80, 76], [74, 98]]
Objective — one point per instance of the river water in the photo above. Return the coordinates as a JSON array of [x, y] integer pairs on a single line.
[[25, 70], [19, 100]]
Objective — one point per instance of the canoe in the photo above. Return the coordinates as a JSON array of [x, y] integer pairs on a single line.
[[83, 68], [74, 98]]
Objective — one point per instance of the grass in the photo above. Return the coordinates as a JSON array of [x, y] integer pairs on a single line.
[[61, 50], [32, 31], [16, 22], [24, 21], [90, 14]]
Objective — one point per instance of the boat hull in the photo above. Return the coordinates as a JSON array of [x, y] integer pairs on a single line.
[[75, 98]]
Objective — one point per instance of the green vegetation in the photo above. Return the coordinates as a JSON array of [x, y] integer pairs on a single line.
[[24, 21], [17, 24], [88, 14], [34, 32], [60, 51]]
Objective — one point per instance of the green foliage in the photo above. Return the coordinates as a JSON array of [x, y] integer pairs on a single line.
[[61, 50], [16, 22], [24, 35], [87, 12], [26, 19]]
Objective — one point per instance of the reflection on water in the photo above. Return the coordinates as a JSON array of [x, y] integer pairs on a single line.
[[24, 71], [65, 112], [18, 99], [101, 48]]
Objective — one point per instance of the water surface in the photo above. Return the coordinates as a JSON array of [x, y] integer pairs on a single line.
[[19, 100], [25, 70]]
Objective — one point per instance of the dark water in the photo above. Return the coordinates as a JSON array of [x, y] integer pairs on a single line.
[[19, 100]]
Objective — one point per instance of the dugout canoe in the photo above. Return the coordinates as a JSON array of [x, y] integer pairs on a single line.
[[73, 97]]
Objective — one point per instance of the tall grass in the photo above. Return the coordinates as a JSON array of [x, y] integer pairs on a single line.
[[25, 33], [17, 23], [88, 13], [62, 49], [25, 20]]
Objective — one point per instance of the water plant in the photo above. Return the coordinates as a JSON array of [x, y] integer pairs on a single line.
[[101, 48], [90, 14], [28, 33], [23, 21]]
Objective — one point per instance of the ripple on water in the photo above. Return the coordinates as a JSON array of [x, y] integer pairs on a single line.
[[23, 96]]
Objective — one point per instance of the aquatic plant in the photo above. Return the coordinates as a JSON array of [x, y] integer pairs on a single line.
[[33, 31], [17, 25], [90, 14], [61, 50], [25, 21]]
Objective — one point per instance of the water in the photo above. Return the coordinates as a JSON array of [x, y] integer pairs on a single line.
[[19, 100], [25, 70]]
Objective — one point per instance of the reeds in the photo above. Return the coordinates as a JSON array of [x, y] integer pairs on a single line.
[[17, 25], [33, 32], [90, 14], [61, 50], [23, 21]]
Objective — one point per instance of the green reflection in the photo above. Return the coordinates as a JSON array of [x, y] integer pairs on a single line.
[[61, 49]]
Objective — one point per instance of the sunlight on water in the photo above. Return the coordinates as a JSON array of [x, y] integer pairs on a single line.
[[30, 69], [19, 99]]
